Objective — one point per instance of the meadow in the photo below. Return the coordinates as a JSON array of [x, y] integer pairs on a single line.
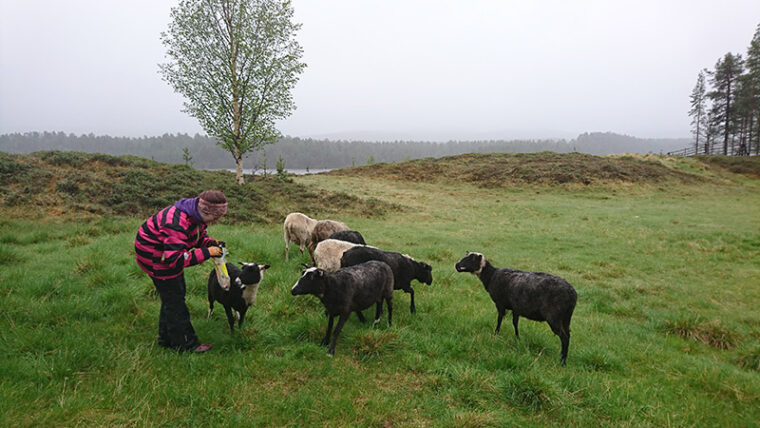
[[666, 331]]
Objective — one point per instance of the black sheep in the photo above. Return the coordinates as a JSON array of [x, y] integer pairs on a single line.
[[244, 285], [351, 236], [404, 268], [347, 290], [533, 295]]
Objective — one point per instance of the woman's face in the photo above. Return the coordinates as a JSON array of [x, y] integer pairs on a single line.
[[209, 219]]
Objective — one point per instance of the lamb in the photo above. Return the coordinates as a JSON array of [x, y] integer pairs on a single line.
[[297, 228], [534, 295], [244, 285], [349, 236], [328, 253], [321, 231], [404, 268], [347, 290]]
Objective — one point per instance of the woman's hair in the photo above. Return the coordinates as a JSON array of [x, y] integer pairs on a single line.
[[213, 196]]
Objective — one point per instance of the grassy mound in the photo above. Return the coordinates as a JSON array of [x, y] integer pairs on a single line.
[[82, 184], [505, 169]]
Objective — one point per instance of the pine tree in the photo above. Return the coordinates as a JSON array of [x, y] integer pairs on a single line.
[[751, 84], [723, 81], [698, 108]]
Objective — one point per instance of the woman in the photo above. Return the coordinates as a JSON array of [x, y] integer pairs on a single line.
[[169, 241]]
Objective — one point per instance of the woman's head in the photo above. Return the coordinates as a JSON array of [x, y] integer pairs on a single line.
[[212, 205]]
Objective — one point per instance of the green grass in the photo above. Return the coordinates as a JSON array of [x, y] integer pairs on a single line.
[[666, 330]]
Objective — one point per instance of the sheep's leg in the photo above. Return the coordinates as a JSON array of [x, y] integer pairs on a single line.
[[230, 318], [389, 303], [361, 316], [378, 312], [410, 290], [210, 304], [515, 319], [338, 328], [242, 316], [326, 340], [499, 319], [287, 243], [564, 336]]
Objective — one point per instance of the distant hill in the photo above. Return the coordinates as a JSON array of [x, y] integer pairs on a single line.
[[75, 184], [547, 168], [320, 154], [81, 184]]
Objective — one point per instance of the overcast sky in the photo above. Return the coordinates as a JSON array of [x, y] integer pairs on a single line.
[[388, 69]]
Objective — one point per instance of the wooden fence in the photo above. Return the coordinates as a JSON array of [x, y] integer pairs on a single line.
[[714, 149]]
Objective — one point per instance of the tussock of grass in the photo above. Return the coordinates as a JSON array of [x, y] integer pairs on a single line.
[[711, 333]]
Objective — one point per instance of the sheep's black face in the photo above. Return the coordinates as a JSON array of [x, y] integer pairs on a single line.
[[473, 263], [311, 282], [426, 276], [251, 274]]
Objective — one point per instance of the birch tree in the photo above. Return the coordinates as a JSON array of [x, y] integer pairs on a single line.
[[236, 63]]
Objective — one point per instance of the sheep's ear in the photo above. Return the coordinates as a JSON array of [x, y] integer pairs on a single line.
[[305, 266], [263, 267]]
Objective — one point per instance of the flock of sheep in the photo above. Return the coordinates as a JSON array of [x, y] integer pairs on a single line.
[[349, 276]]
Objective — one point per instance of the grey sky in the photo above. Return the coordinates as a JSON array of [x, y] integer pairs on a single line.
[[406, 69]]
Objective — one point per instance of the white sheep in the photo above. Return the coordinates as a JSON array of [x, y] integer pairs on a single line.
[[328, 253], [297, 228]]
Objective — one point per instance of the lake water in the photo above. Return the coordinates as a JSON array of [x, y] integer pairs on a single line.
[[289, 171]]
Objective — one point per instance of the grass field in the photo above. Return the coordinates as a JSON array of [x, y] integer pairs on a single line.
[[666, 331]]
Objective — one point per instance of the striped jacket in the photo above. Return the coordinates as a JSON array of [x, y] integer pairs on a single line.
[[170, 241]]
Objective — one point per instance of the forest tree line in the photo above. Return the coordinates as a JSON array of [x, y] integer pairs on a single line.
[[201, 151], [725, 104]]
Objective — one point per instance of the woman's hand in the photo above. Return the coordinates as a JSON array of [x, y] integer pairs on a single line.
[[217, 243], [215, 251]]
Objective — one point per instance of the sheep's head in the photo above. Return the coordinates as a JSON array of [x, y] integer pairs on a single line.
[[425, 273], [251, 274], [473, 263], [312, 281]]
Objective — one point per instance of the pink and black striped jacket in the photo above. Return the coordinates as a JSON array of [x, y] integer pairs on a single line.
[[171, 240]]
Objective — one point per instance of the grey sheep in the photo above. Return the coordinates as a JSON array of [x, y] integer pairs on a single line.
[[534, 295], [348, 290], [404, 268]]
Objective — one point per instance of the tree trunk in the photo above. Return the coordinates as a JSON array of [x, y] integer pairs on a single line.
[[239, 168]]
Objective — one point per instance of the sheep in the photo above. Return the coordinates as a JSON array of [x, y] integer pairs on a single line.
[[244, 285], [347, 290], [321, 231], [405, 268], [297, 228], [537, 296], [328, 252], [349, 236]]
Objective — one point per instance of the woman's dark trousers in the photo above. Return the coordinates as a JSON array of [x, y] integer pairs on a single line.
[[174, 328]]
